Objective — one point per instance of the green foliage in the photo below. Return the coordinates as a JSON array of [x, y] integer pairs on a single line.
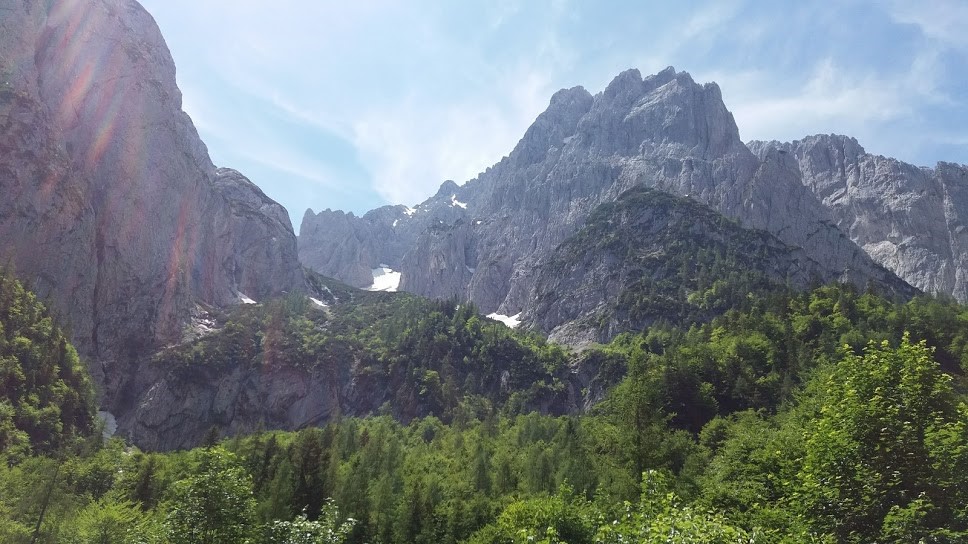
[[326, 530], [417, 357], [658, 518], [867, 473], [661, 519], [558, 519], [46, 397], [213, 505], [826, 416], [113, 522]]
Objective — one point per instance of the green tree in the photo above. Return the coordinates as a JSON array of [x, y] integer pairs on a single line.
[[326, 530], [113, 522], [661, 519], [46, 396], [558, 519], [214, 505], [867, 474]]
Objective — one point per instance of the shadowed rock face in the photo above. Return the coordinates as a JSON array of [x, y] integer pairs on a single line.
[[664, 131], [911, 220], [112, 207], [649, 256]]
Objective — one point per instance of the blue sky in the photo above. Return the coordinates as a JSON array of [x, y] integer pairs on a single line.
[[352, 105]]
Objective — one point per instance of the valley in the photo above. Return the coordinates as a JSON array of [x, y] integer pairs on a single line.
[[634, 327]]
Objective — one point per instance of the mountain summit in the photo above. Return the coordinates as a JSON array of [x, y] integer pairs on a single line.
[[664, 131]]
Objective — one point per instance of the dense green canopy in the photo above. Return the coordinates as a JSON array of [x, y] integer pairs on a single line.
[[828, 416], [46, 397]]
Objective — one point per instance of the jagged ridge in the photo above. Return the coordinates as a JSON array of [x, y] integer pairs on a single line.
[[664, 131]]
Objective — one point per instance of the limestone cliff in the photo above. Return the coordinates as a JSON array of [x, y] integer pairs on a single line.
[[911, 220], [111, 206], [664, 131]]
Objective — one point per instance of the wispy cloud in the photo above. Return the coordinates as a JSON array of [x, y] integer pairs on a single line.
[[942, 20], [831, 99], [399, 97], [413, 147], [409, 136]]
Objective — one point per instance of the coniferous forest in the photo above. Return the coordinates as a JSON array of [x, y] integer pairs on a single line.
[[823, 416]]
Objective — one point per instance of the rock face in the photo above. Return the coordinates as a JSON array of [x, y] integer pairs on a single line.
[[649, 256], [179, 409], [664, 131], [256, 250], [111, 206], [345, 247], [911, 220]]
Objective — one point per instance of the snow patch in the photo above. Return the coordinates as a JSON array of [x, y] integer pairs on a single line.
[[511, 321], [246, 300], [318, 302], [110, 423], [456, 203], [471, 269], [395, 223], [385, 279], [410, 211]]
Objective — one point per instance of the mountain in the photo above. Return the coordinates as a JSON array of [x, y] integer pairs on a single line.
[[650, 256], [485, 240], [592, 225], [297, 362], [910, 220], [112, 208]]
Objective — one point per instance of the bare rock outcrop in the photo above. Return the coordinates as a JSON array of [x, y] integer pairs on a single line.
[[911, 220], [111, 206], [663, 131]]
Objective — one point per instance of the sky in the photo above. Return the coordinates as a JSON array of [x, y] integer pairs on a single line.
[[352, 105]]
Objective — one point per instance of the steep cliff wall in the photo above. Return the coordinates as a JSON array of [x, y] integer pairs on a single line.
[[112, 207]]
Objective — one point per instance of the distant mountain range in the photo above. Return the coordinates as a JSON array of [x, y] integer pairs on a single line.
[[862, 218], [615, 210]]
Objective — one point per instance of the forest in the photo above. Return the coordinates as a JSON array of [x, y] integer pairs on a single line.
[[829, 416]]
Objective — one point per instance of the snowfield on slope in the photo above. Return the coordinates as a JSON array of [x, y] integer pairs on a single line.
[[511, 321], [385, 279]]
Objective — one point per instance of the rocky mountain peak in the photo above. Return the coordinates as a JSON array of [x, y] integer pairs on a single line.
[[908, 219], [667, 113], [626, 86], [664, 131], [553, 127], [565, 98], [447, 188], [662, 77]]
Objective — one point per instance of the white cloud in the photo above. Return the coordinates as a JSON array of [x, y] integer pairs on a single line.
[[830, 99], [409, 135], [412, 147], [712, 17], [283, 159], [942, 20], [419, 102]]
